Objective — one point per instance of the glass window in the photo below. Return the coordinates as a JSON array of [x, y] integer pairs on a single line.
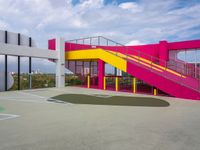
[[191, 56]]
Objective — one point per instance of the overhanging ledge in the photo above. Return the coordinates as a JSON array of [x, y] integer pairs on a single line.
[[24, 51]]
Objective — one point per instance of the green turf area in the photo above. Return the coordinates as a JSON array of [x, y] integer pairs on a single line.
[[1, 109], [112, 100]]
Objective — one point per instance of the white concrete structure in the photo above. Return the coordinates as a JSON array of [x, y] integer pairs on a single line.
[[18, 50], [14, 44], [60, 62], [12, 38]]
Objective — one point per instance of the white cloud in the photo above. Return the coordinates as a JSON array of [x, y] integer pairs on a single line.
[[4, 25], [85, 4], [138, 22], [146, 21], [132, 6], [134, 42]]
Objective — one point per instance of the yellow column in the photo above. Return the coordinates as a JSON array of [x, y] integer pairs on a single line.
[[154, 91], [104, 83], [134, 85], [116, 84], [88, 81]]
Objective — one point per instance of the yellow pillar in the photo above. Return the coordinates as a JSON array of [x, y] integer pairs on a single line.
[[134, 85], [104, 83], [154, 91], [116, 84], [88, 81]]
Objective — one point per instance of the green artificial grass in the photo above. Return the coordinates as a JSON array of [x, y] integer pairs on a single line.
[[112, 100], [1, 109]]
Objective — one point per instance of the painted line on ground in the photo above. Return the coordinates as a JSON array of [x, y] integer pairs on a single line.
[[30, 94], [7, 116], [20, 100]]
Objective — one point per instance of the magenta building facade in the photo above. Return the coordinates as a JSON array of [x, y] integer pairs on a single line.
[[178, 77]]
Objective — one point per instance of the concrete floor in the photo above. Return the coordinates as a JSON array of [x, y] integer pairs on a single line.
[[36, 124]]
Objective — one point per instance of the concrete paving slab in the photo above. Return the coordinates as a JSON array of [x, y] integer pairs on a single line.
[[44, 125]]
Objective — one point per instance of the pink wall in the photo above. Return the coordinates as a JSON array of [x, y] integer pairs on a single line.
[[163, 52], [151, 49], [184, 45], [171, 87], [52, 44], [101, 72], [184, 86], [157, 51]]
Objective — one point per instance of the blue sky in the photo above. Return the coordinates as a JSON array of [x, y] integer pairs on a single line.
[[126, 21]]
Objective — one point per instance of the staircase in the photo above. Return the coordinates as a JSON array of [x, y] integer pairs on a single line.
[[173, 80]]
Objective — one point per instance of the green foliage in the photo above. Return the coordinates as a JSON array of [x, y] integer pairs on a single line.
[[43, 81], [73, 80], [38, 81]]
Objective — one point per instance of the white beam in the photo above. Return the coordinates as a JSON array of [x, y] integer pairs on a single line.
[[60, 63], [16, 50]]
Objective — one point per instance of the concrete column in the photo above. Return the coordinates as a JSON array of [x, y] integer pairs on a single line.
[[163, 53], [101, 71], [60, 63]]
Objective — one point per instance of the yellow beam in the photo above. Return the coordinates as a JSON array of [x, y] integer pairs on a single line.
[[98, 53], [88, 81], [134, 85], [116, 83], [104, 83], [154, 91]]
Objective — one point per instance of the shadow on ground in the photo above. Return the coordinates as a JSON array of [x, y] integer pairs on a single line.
[[112, 100]]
